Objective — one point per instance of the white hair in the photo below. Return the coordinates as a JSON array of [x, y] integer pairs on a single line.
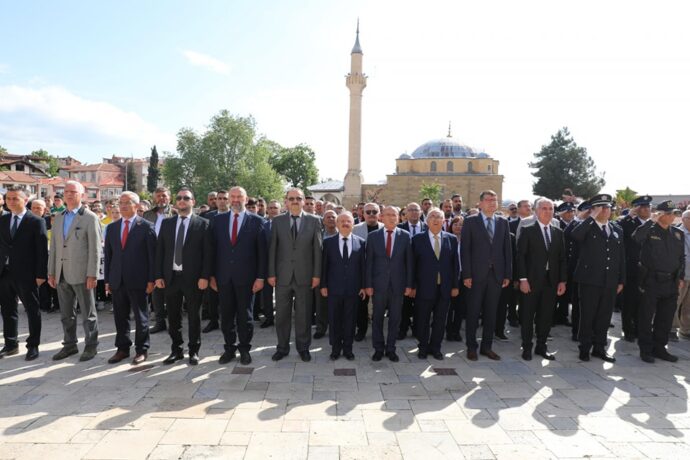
[[80, 187], [132, 196], [435, 211], [542, 200], [686, 214]]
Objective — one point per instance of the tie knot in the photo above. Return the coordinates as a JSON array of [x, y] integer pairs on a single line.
[[436, 236], [236, 216], [182, 218], [389, 231]]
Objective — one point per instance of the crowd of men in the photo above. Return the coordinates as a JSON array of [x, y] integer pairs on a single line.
[[424, 268]]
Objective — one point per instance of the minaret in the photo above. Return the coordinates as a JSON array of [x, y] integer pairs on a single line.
[[356, 81]]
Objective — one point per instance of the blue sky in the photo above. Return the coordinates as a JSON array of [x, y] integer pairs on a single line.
[[92, 79]]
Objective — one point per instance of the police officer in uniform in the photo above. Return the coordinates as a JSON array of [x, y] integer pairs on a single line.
[[572, 249], [600, 272], [661, 270], [640, 213]]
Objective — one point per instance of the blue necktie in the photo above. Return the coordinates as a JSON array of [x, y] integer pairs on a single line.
[[15, 224]]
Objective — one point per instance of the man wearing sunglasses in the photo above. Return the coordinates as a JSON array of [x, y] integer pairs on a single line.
[[180, 273]]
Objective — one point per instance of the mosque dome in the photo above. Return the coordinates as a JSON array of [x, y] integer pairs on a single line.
[[404, 156], [446, 147]]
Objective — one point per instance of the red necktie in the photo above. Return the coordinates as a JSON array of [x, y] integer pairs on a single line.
[[234, 230], [389, 243], [125, 234]]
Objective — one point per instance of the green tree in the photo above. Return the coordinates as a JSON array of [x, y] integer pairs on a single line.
[[3, 151], [432, 191], [228, 153], [563, 164], [296, 164], [130, 173], [153, 172], [53, 165], [624, 197]]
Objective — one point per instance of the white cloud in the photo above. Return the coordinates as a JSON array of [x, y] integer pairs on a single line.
[[206, 61], [52, 116]]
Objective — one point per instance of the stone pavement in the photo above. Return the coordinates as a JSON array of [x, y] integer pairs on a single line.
[[413, 409]]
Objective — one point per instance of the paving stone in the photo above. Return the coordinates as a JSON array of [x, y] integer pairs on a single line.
[[125, 444]]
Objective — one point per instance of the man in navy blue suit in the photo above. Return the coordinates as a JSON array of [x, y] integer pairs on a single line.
[[435, 261], [130, 252], [487, 267], [237, 258], [389, 258], [342, 284]]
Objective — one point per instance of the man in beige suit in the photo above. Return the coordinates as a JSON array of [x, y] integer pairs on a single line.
[[75, 252]]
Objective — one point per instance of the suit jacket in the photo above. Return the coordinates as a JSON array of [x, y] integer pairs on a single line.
[[601, 261], [533, 256], [343, 277], [362, 231], [78, 254], [243, 263], [632, 248], [133, 266], [407, 227], [383, 272], [299, 258], [427, 267], [27, 251], [513, 225], [193, 251], [480, 253]]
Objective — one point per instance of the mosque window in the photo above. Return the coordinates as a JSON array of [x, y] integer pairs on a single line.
[[449, 166], [433, 166], [470, 167], [489, 168]]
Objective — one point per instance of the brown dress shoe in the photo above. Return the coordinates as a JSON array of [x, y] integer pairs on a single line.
[[472, 355], [490, 354], [118, 356], [139, 358]]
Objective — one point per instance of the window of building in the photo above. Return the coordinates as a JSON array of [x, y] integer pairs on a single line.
[[93, 177], [433, 166], [470, 167], [489, 168], [449, 166], [92, 194], [19, 167]]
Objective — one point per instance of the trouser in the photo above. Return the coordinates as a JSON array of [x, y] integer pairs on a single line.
[[342, 311], [71, 295], [101, 296], [175, 292], [655, 316], [512, 298], [457, 312], [596, 308], [683, 311], [210, 303], [126, 301], [426, 309], [45, 299], [27, 292], [236, 316], [482, 301], [391, 301], [562, 305], [322, 311], [267, 301], [407, 316], [536, 308], [502, 309], [631, 305], [300, 298], [575, 312], [363, 316], [158, 301]]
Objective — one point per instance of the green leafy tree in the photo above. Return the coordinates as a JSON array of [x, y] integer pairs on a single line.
[[432, 191], [153, 172], [624, 197], [296, 164], [228, 153], [564, 164], [131, 177], [3, 151], [53, 164]]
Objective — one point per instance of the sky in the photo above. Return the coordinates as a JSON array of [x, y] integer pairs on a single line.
[[93, 79]]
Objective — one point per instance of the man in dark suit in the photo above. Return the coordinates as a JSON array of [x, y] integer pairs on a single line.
[[542, 271], [23, 269], [210, 297], [389, 259], [342, 284], [130, 252], [180, 254], [600, 274], [294, 270], [487, 267], [413, 225], [434, 280], [236, 246], [272, 210]]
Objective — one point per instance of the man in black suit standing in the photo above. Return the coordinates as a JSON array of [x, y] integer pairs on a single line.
[[180, 272], [487, 267], [130, 252], [23, 269], [542, 272]]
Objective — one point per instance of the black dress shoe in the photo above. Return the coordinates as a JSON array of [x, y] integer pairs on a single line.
[[584, 355], [226, 357], [9, 351], [158, 328], [31, 353], [666, 356], [501, 336], [318, 335], [545, 354], [527, 354], [211, 326], [601, 354], [278, 355], [393, 356], [359, 337], [349, 356], [174, 356], [401, 335], [490, 354], [193, 359], [334, 356], [306, 356], [267, 323], [377, 356], [245, 358], [438, 355], [421, 354], [647, 358]]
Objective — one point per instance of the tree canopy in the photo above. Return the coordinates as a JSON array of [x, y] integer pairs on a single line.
[[564, 164], [53, 165], [432, 191], [296, 164]]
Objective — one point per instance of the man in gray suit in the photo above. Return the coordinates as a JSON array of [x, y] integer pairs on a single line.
[[73, 262], [294, 269]]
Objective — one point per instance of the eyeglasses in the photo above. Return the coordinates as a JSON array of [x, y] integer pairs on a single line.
[[295, 198], [185, 198], [222, 198], [371, 212]]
